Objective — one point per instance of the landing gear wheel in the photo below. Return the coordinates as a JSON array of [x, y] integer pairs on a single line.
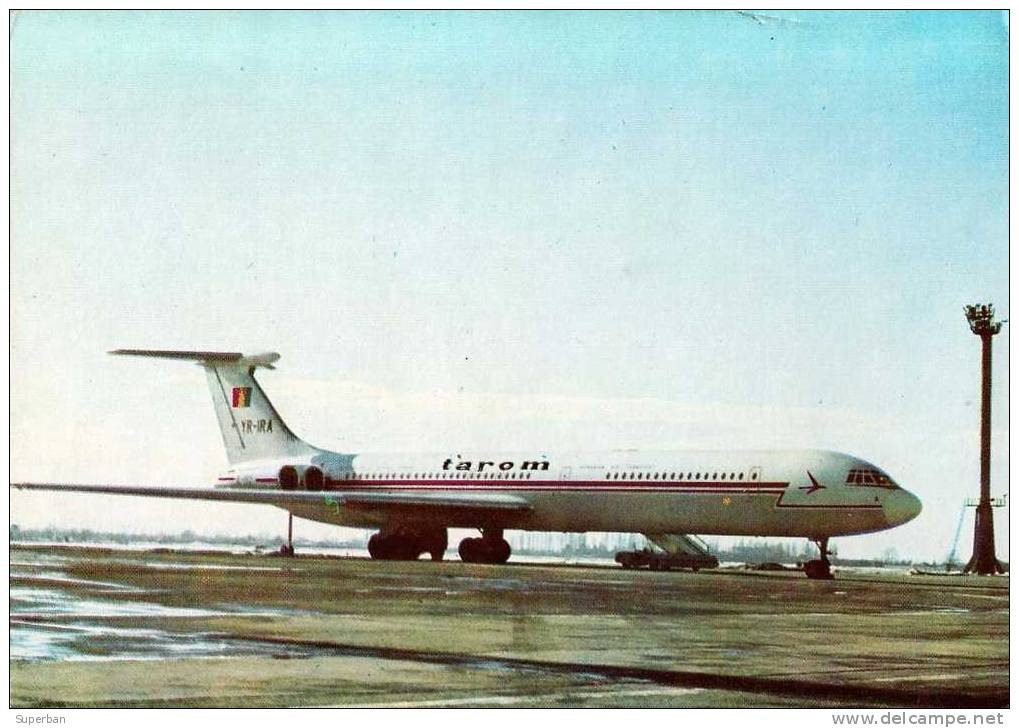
[[437, 546], [819, 568], [407, 543], [484, 551], [394, 547], [470, 550], [375, 548], [499, 551]]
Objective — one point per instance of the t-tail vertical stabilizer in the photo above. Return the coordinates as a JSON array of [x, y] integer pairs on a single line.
[[251, 427]]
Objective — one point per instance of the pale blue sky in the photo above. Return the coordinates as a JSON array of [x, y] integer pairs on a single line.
[[778, 216]]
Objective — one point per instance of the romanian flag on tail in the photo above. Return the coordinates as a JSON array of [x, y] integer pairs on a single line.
[[242, 396]]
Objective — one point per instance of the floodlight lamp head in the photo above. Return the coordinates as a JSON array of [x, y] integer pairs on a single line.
[[981, 319]]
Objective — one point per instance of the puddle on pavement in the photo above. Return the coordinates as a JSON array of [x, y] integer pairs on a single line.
[[181, 566], [58, 578], [37, 641], [54, 616]]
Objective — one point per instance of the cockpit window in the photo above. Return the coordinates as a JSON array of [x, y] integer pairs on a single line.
[[869, 477]]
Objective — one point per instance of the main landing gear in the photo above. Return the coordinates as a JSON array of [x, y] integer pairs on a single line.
[[404, 544], [491, 548], [819, 568]]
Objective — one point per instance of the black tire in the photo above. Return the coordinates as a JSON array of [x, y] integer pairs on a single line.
[[469, 550], [375, 546], [501, 552], [817, 569]]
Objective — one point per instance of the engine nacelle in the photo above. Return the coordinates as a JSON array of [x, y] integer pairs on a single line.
[[301, 477], [288, 477]]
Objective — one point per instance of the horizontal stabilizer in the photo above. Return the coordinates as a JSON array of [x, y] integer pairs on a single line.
[[188, 355], [266, 359]]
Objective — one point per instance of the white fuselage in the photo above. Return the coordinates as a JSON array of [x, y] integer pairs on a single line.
[[809, 493]]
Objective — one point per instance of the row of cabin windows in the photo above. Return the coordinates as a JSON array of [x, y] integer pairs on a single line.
[[682, 476], [435, 476], [526, 476]]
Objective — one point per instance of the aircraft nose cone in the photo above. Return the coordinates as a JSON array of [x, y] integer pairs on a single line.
[[901, 506]]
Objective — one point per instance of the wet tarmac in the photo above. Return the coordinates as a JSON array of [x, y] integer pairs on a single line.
[[101, 627]]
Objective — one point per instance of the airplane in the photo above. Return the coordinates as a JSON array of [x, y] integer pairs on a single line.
[[413, 498]]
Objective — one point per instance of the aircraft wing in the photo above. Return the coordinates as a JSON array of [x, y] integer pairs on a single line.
[[458, 508]]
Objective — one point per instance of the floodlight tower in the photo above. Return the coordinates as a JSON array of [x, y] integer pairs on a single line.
[[982, 323]]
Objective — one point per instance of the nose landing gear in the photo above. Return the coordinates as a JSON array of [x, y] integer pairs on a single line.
[[491, 548], [819, 568]]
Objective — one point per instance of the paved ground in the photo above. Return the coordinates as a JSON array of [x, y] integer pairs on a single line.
[[96, 627]]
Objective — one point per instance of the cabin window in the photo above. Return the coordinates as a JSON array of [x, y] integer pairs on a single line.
[[741, 476], [754, 476], [723, 476]]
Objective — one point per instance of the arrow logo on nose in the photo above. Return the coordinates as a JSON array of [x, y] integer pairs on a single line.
[[814, 485]]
